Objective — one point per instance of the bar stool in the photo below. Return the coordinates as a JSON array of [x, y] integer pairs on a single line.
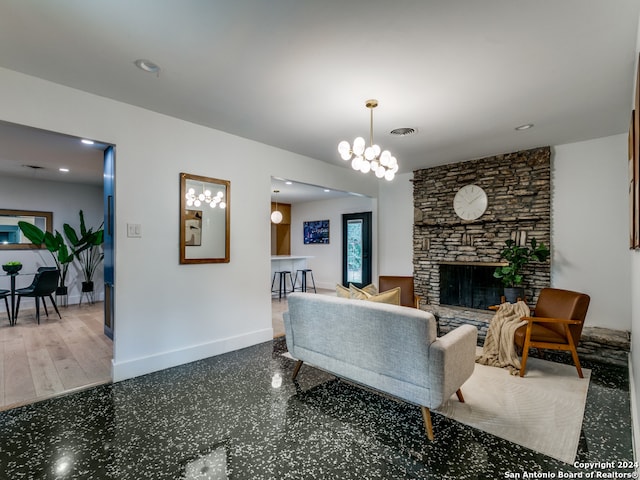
[[303, 280], [282, 283]]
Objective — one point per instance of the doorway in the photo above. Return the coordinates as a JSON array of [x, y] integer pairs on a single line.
[[58, 355], [356, 249]]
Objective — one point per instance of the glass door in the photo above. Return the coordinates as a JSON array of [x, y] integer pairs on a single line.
[[356, 249]]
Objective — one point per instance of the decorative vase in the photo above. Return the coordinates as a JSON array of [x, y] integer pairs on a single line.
[[87, 287], [512, 294]]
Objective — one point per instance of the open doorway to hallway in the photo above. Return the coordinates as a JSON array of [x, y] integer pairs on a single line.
[[56, 173]]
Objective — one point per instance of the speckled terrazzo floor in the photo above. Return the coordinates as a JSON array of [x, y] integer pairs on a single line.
[[240, 413]]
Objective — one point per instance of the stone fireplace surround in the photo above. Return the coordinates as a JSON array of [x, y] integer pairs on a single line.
[[518, 187]]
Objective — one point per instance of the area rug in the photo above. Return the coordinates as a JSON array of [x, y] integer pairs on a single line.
[[542, 411]]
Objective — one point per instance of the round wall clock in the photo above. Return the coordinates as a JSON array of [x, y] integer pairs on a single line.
[[470, 202]]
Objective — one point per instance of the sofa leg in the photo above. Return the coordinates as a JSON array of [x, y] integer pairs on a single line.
[[428, 427], [460, 397], [296, 369]]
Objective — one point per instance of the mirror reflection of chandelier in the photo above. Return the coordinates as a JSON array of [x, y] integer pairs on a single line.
[[205, 196], [371, 158]]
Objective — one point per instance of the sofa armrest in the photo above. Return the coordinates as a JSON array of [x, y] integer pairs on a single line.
[[452, 360]]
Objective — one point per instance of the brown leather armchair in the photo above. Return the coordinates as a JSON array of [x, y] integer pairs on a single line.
[[556, 325], [407, 296]]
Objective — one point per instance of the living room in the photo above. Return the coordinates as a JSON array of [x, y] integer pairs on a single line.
[[169, 314]]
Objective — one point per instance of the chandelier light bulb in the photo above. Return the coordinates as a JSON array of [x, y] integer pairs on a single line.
[[197, 203], [372, 158], [223, 205], [358, 146], [369, 153], [344, 149]]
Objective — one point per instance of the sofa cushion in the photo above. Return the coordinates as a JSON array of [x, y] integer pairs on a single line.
[[390, 296], [342, 292], [345, 292]]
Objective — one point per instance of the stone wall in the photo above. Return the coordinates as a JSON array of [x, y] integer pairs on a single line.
[[518, 187]]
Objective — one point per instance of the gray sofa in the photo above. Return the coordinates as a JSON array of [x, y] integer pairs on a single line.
[[389, 348]]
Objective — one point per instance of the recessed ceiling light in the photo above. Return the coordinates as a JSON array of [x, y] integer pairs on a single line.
[[526, 126], [87, 142], [327, 190], [147, 65], [62, 169], [289, 183]]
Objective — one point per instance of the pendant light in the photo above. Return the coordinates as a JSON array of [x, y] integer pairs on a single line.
[[372, 158], [276, 215]]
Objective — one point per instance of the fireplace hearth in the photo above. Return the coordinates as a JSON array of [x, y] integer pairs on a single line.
[[469, 285]]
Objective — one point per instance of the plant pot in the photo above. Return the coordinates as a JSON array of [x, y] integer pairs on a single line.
[[12, 269], [87, 287], [512, 294], [60, 291]]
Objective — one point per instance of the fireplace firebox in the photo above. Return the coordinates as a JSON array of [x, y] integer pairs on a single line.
[[470, 285]]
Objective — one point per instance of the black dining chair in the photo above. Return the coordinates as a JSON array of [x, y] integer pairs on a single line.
[[4, 294], [43, 285]]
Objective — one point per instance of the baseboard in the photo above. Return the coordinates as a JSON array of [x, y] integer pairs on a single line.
[[161, 361], [635, 421]]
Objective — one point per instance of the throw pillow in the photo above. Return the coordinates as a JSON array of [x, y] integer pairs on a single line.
[[390, 296], [371, 289], [342, 292]]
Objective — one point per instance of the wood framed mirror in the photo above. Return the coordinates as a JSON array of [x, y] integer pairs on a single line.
[[204, 219], [11, 237]]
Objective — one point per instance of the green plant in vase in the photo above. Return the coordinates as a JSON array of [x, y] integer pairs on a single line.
[[518, 257], [56, 245], [87, 248], [12, 267]]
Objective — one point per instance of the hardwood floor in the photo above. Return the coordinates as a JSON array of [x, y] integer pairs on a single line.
[[57, 356]]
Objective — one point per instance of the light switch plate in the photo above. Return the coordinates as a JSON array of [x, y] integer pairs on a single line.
[[134, 230]]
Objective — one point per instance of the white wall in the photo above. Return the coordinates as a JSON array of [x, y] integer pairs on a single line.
[[165, 313], [590, 227], [395, 204], [64, 200], [327, 258]]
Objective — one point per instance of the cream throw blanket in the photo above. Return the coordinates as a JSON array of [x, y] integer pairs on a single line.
[[499, 349]]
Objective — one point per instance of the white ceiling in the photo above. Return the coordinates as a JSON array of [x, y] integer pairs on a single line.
[[296, 73]]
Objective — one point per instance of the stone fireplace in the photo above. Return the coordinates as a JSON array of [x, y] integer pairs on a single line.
[[518, 188], [469, 285]]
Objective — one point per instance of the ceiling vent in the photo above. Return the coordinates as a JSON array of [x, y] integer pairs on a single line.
[[34, 167], [403, 132]]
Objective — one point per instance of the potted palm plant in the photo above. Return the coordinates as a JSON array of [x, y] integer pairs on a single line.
[[56, 245], [517, 257], [87, 248]]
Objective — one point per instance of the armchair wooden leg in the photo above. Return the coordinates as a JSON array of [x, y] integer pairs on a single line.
[[460, 397], [525, 349], [428, 426], [574, 352], [296, 369]]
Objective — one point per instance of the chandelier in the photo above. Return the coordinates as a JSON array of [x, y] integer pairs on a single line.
[[205, 196], [371, 158]]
